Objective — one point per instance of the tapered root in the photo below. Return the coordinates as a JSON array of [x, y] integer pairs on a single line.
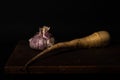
[[96, 39]]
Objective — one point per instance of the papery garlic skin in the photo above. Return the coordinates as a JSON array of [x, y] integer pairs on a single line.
[[42, 39]]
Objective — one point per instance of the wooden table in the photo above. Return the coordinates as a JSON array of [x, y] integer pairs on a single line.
[[92, 60]]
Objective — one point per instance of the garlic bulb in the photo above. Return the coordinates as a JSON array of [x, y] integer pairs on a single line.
[[42, 40]]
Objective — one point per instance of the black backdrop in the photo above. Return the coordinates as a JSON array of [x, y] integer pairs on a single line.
[[67, 19]]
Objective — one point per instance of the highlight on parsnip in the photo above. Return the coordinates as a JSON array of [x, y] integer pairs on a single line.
[[97, 39]]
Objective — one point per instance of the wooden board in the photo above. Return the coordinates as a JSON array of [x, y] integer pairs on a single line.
[[93, 60]]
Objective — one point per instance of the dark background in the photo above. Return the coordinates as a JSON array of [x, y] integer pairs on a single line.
[[67, 19]]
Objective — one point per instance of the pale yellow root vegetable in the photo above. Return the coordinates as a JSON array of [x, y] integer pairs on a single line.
[[97, 39]]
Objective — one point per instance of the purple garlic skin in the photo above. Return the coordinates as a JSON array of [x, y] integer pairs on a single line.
[[42, 40]]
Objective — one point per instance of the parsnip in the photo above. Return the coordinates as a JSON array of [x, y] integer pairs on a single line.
[[97, 39]]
